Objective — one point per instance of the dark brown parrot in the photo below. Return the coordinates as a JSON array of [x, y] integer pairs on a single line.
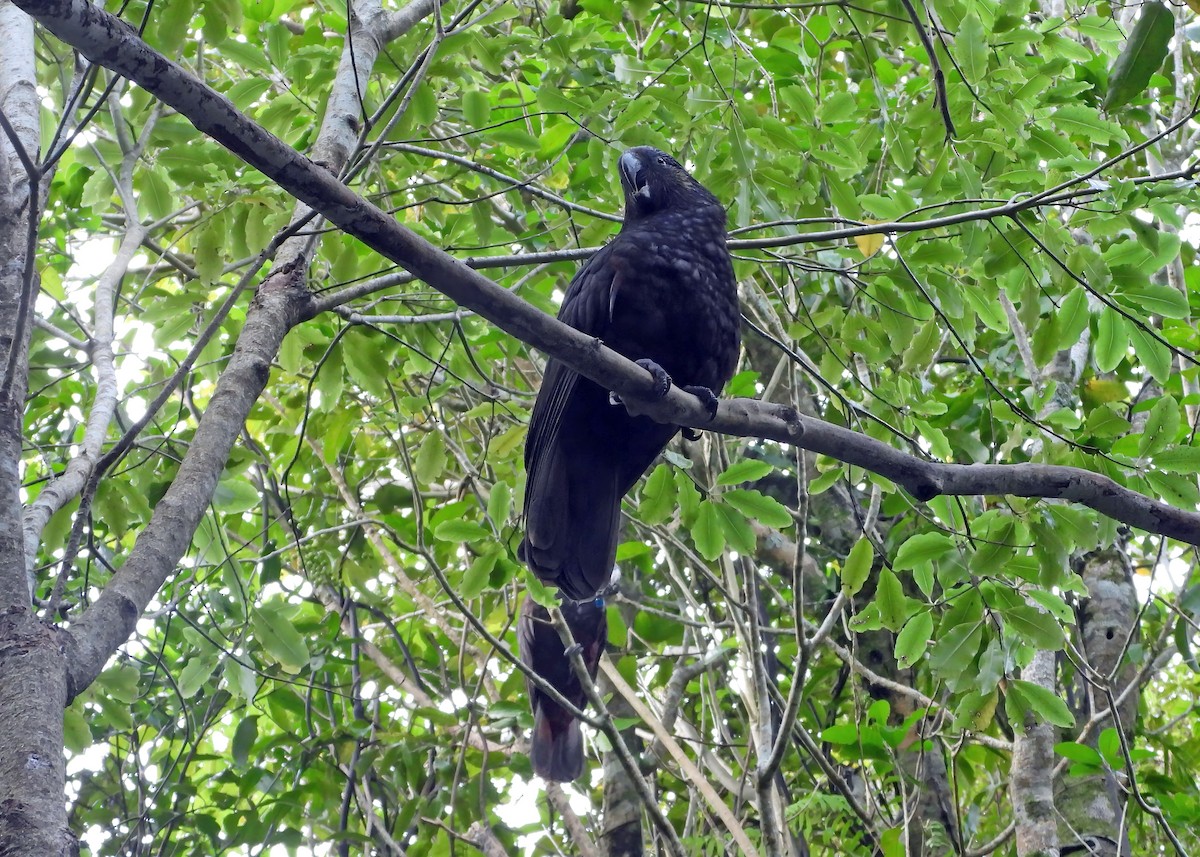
[[556, 743], [661, 293]]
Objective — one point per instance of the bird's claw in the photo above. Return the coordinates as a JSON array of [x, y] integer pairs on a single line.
[[662, 381], [707, 398], [690, 433], [573, 649]]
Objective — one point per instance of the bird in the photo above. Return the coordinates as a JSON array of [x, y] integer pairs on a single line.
[[662, 293], [556, 743]]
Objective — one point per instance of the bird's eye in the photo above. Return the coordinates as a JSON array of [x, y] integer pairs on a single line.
[[662, 160]]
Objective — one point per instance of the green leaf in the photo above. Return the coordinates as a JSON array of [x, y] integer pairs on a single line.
[[121, 683], [857, 566], [1155, 356], [77, 733], [922, 547], [1047, 705], [243, 740], [1080, 753], [759, 507], [1179, 459], [687, 495], [707, 531], [746, 470], [155, 194], [235, 494], [1162, 426], [279, 637], [914, 639], [195, 673], [459, 530], [1072, 318], [1151, 298], [972, 44], [244, 93], [499, 502], [739, 535], [843, 734], [658, 496], [1040, 630], [1112, 340], [430, 462], [893, 605], [475, 580], [955, 648], [1142, 55], [476, 107]]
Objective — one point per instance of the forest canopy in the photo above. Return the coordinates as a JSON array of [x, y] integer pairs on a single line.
[[277, 281]]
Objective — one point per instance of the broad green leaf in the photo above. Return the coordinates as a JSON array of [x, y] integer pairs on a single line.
[[475, 580], [922, 547], [707, 531], [857, 566], [1112, 340], [459, 531], [196, 671], [1072, 318], [844, 734], [77, 733], [1078, 753], [972, 48], [244, 738], [430, 463], [1155, 356], [280, 638], [1040, 630], [1150, 298], [155, 193], [1179, 459], [1142, 55], [1162, 426], [1045, 704], [739, 535], [914, 639], [235, 494], [499, 503], [889, 595], [759, 507], [746, 470], [121, 683], [955, 648], [476, 107], [658, 496]]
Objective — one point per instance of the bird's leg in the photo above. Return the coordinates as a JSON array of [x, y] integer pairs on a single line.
[[662, 381], [707, 398]]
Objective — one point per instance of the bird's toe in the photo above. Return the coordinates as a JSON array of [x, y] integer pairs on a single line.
[[662, 381], [707, 398]]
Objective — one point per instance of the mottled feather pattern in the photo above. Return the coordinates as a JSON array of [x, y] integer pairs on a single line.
[[663, 289]]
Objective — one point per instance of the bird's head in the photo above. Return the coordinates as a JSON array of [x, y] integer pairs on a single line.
[[653, 181]]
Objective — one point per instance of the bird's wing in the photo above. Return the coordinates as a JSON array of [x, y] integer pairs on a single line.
[[586, 307]]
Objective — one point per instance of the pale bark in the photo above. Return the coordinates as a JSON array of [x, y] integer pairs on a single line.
[[1031, 780]]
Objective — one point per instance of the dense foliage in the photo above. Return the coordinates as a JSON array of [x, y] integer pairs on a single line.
[[331, 663]]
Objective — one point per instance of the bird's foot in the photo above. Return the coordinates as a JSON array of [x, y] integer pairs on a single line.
[[707, 398], [574, 649], [662, 381]]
